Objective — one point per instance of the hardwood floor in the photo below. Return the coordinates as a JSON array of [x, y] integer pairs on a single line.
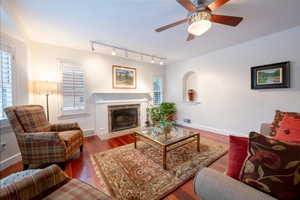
[[80, 167]]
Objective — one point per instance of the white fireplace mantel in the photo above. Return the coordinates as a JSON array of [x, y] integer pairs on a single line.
[[122, 91], [131, 101], [102, 104]]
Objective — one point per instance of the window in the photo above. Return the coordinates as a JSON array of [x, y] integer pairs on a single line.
[[73, 88], [5, 82], [157, 91]]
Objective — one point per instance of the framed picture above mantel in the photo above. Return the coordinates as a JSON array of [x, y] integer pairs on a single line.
[[124, 77], [275, 75]]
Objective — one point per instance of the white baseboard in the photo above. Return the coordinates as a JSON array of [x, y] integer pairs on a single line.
[[88, 132], [10, 161], [210, 129]]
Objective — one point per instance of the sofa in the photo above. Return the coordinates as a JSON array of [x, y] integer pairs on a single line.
[[212, 185], [41, 142], [50, 183]]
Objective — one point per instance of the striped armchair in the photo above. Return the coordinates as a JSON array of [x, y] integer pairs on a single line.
[[39, 141]]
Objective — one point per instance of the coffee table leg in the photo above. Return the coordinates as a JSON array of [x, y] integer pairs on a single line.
[[165, 157], [198, 142], [135, 139]]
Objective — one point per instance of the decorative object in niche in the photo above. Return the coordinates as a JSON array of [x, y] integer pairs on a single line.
[[124, 77], [190, 87], [191, 95], [275, 75]]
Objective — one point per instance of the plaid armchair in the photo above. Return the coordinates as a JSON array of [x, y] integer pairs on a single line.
[[39, 141], [51, 183]]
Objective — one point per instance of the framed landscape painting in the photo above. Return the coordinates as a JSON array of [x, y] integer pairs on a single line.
[[271, 76], [124, 77]]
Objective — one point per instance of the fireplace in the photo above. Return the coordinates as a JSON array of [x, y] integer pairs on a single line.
[[121, 117]]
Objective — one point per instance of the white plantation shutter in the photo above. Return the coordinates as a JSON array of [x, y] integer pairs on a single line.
[[5, 82], [157, 91], [73, 88]]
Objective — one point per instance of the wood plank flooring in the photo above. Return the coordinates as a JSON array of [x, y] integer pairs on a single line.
[[80, 167]]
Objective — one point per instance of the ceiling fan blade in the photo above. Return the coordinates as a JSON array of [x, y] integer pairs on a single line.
[[170, 25], [217, 4], [226, 20], [190, 37], [187, 4]]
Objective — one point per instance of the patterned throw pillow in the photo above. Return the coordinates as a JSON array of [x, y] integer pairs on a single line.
[[278, 118], [289, 129], [273, 167], [33, 119]]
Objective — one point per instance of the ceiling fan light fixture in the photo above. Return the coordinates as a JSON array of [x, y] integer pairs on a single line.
[[199, 22]]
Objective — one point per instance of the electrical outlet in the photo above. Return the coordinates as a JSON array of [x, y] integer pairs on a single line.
[[2, 147], [187, 121]]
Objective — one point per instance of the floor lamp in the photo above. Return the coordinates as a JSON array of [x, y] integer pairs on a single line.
[[45, 88]]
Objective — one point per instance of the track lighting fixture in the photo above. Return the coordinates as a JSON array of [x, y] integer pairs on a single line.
[[114, 52], [128, 53], [92, 47]]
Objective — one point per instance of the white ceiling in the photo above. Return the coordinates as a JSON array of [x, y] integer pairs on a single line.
[[131, 24]]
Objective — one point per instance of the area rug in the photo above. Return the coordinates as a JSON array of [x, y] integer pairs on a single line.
[[137, 174]]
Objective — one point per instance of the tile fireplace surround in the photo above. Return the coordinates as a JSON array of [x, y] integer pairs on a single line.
[[103, 100]]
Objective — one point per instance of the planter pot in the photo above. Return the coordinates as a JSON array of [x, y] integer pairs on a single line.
[[167, 130]]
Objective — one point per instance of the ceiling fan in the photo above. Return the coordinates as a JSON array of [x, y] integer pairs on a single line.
[[200, 17]]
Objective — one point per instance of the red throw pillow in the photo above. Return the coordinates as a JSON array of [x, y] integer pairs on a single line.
[[289, 129], [278, 118], [237, 155]]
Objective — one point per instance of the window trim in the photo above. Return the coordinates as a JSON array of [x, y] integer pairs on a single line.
[[4, 123], [161, 89], [75, 112]]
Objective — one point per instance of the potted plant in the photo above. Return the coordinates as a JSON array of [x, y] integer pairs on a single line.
[[169, 108], [163, 116]]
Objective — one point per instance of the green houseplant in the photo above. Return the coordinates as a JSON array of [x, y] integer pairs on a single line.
[[163, 116]]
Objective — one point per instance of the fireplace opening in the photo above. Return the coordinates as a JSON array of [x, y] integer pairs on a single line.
[[122, 117]]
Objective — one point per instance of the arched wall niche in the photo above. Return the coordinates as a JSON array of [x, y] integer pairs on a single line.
[[190, 81]]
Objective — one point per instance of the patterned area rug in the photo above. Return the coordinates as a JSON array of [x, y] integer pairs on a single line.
[[137, 174]]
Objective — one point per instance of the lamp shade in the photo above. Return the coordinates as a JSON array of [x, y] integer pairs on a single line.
[[44, 87]]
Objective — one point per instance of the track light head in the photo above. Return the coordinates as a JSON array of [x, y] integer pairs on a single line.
[[114, 52]]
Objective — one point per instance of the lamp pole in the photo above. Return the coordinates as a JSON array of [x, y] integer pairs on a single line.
[[47, 105]]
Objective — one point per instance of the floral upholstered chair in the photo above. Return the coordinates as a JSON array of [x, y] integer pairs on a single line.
[[41, 142]]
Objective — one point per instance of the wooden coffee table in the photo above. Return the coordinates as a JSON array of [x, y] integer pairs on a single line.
[[167, 142]]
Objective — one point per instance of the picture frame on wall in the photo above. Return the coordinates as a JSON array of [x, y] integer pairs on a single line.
[[124, 77], [270, 76]]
